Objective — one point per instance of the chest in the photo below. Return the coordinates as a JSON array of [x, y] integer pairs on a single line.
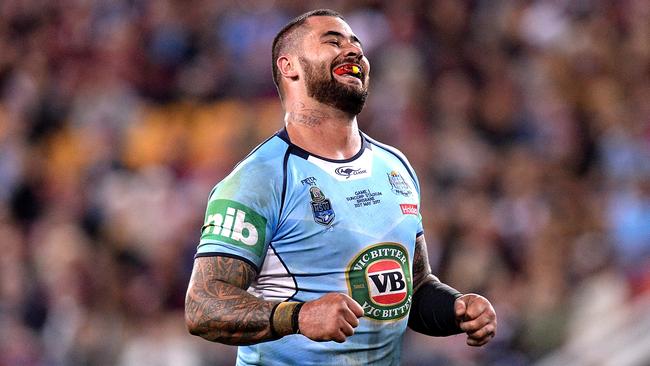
[[345, 208]]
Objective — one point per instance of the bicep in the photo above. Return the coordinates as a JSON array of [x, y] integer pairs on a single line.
[[212, 270], [421, 266]]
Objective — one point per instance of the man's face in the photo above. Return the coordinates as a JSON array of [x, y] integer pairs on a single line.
[[336, 72]]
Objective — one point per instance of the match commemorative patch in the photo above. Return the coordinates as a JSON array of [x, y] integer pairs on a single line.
[[379, 279]]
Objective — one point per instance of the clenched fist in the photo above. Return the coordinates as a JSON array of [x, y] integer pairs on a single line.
[[332, 317], [477, 318]]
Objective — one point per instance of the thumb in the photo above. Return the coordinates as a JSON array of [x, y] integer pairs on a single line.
[[460, 308]]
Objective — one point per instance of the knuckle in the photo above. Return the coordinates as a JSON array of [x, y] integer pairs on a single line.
[[466, 326], [484, 321]]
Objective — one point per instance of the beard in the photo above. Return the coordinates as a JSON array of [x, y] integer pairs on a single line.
[[322, 86]]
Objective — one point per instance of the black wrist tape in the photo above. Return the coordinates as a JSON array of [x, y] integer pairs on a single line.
[[432, 311]]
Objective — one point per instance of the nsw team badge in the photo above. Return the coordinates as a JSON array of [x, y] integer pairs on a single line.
[[321, 207], [379, 279]]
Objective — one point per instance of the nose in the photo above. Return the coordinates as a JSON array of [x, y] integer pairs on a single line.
[[353, 50]]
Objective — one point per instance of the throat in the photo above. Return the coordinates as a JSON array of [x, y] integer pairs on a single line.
[[322, 137]]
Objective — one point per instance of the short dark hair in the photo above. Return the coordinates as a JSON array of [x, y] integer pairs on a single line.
[[286, 37]]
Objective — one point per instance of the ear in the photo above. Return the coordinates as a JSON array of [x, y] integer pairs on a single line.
[[287, 67]]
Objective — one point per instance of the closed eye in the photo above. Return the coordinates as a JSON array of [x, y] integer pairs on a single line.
[[334, 42]]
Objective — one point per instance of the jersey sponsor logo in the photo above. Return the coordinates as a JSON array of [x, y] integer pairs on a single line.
[[387, 282], [409, 208], [347, 171], [379, 279], [397, 184], [321, 207], [231, 222]]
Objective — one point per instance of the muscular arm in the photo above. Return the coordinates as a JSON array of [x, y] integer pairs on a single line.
[[440, 310], [432, 310], [421, 267], [217, 306]]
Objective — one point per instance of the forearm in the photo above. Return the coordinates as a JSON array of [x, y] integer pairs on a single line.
[[226, 314], [432, 311], [218, 308]]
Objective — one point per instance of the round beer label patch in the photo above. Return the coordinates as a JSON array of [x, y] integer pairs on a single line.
[[379, 279]]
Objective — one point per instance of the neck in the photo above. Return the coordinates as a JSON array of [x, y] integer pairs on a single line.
[[323, 130]]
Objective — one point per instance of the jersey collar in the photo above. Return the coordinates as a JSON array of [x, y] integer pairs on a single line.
[[297, 150]]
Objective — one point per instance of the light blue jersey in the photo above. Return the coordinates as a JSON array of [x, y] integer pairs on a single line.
[[311, 226]]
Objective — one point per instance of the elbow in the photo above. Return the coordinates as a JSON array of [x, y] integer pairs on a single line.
[[192, 327], [204, 328], [194, 322], [199, 329]]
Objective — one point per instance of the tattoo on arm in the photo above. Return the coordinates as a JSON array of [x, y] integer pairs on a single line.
[[421, 267], [217, 306]]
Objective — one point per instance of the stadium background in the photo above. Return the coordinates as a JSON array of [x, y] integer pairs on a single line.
[[527, 121]]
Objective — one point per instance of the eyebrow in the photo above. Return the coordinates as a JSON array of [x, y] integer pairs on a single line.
[[353, 38]]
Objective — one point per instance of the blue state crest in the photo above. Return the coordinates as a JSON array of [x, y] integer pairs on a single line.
[[321, 207]]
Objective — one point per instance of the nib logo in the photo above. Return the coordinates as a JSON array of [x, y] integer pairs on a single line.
[[234, 226], [231, 222]]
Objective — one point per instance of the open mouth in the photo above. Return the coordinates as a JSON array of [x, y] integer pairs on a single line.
[[350, 71]]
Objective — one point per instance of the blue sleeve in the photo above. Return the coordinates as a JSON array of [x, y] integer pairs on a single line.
[[242, 213]]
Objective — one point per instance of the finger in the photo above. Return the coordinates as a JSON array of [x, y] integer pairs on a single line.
[[350, 317], [474, 343], [474, 325], [487, 331], [347, 329], [354, 306], [339, 337], [475, 308], [460, 308], [477, 342]]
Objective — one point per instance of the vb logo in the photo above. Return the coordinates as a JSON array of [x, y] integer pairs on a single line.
[[387, 284], [231, 222], [379, 279]]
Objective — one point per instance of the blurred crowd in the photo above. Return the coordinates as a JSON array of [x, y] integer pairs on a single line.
[[528, 123]]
